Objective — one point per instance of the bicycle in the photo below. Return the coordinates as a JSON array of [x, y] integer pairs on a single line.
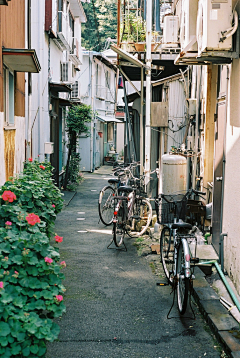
[[132, 213], [107, 194], [174, 249]]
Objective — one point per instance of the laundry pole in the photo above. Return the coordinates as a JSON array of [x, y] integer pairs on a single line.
[[148, 91]]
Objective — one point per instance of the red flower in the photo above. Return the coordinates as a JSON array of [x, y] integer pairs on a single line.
[[32, 219], [59, 298], [58, 238], [8, 196], [53, 205], [42, 167], [30, 159]]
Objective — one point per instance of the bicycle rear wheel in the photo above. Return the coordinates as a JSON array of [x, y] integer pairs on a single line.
[[183, 282], [141, 218], [118, 234], [106, 205], [167, 253]]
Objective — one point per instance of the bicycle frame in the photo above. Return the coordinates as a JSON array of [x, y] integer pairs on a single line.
[[176, 240]]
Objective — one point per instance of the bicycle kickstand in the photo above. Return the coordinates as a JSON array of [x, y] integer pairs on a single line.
[[117, 248], [174, 288]]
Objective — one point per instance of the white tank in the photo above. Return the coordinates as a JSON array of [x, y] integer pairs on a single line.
[[174, 173]]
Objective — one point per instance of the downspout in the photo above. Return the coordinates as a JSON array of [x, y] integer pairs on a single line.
[[92, 103], [221, 251], [29, 139], [148, 92], [194, 171], [141, 124]]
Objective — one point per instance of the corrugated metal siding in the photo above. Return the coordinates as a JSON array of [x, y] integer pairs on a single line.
[[177, 114]]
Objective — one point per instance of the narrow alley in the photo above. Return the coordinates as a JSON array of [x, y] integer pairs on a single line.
[[114, 307]]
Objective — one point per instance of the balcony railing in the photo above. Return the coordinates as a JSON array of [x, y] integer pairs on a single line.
[[105, 94], [64, 33], [74, 54]]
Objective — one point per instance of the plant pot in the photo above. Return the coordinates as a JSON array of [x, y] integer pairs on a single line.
[[140, 46]]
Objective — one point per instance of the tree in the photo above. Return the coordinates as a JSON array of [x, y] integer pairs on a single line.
[[77, 119], [101, 23]]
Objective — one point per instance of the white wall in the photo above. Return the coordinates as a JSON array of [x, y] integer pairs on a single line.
[[231, 222]]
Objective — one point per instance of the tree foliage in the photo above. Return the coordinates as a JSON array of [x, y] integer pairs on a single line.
[[77, 121], [101, 24]]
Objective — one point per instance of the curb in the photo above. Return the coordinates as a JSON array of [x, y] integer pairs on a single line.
[[223, 325]]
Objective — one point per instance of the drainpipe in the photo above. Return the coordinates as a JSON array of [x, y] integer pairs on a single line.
[[229, 288], [141, 123], [29, 142], [199, 83], [223, 178], [148, 92], [91, 78]]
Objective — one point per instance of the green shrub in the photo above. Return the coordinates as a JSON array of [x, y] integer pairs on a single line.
[[30, 273]]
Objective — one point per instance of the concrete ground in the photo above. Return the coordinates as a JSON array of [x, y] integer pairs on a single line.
[[114, 307]]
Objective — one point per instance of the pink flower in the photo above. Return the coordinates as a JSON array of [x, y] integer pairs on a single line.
[[63, 264], [30, 159], [59, 298], [8, 223], [58, 238], [1, 284], [8, 196], [16, 272], [54, 206], [32, 219], [48, 260], [42, 167]]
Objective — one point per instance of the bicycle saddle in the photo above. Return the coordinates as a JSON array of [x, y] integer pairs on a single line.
[[113, 181], [181, 225], [126, 189]]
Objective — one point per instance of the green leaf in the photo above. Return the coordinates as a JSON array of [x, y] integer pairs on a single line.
[[6, 298], [16, 349], [33, 261], [4, 329], [19, 302], [4, 341], [17, 259], [47, 294], [26, 351], [30, 327], [34, 349]]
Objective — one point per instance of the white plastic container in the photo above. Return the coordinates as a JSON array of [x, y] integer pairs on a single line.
[[174, 173]]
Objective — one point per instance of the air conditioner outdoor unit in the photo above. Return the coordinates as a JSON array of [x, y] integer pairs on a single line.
[[214, 17], [170, 31], [188, 23]]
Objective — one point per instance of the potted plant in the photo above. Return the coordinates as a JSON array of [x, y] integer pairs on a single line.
[[134, 32]]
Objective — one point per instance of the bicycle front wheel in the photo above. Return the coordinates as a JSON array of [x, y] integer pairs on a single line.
[[106, 205], [118, 235], [167, 253], [141, 218], [183, 281]]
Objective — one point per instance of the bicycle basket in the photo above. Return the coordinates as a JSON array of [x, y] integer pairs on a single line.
[[174, 207]]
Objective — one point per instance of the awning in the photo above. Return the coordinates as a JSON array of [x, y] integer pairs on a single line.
[[4, 2], [102, 118], [127, 56], [21, 60], [77, 10], [59, 87]]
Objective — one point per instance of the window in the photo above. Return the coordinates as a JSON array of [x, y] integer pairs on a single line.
[[9, 96]]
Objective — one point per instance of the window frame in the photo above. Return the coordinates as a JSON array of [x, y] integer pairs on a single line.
[[9, 97]]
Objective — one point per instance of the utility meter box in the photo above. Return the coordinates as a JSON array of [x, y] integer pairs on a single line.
[[48, 147]]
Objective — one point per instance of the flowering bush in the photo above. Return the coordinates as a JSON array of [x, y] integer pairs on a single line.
[[31, 290]]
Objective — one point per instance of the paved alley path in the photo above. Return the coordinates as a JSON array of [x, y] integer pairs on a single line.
[[114, 308]]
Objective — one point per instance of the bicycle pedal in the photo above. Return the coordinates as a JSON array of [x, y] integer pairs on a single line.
[[194, 260], [162, 284]]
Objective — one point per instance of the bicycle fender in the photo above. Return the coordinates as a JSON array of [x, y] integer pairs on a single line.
[[187, 257]]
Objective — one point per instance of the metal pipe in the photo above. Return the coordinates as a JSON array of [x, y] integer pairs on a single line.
[[148, 92], [229, 288], [223, 173], [141, 124]]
